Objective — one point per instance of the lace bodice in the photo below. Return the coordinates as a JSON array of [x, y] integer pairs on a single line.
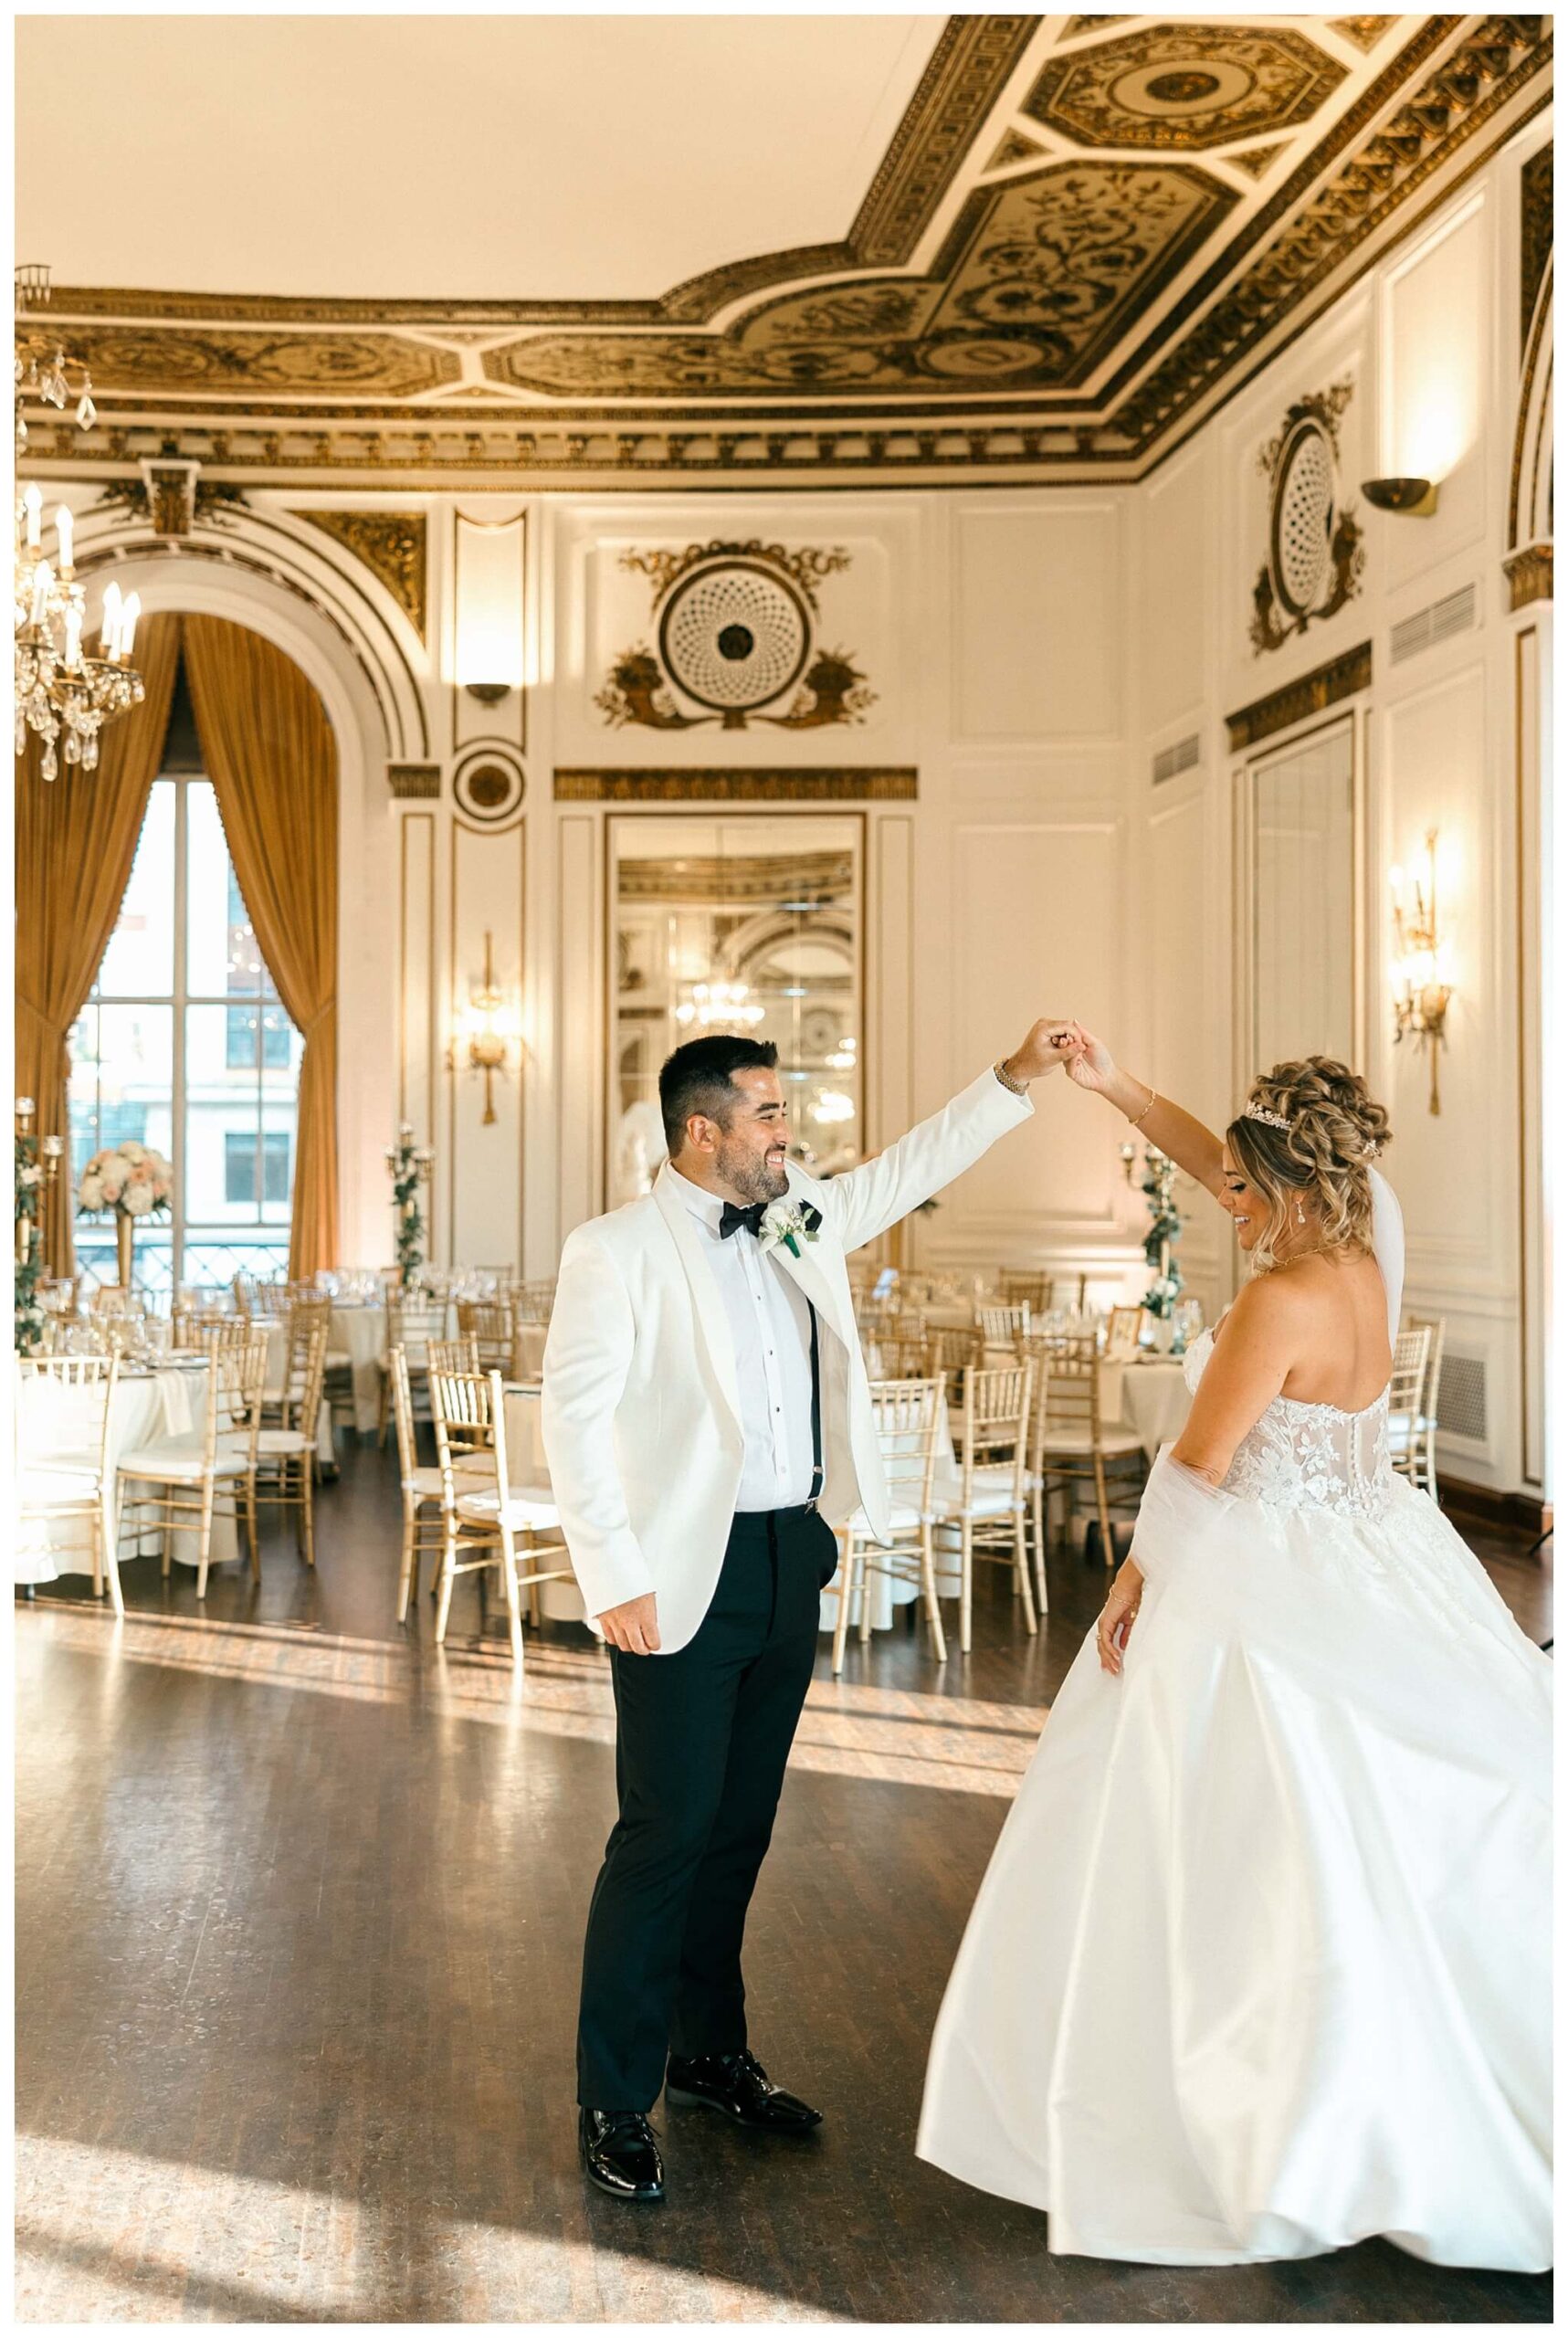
[[1297, 1455]]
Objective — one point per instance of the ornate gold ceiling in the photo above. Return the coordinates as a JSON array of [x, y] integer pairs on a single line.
[[1086, 231]]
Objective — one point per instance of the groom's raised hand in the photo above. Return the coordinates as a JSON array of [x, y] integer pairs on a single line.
[[1051, 1041]]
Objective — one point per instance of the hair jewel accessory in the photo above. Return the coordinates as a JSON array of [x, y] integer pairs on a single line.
[[1262, 1112]]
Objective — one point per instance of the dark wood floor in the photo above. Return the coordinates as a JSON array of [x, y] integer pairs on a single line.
[[299, 1905]]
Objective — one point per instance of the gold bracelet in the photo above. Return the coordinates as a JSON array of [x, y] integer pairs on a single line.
[[1013, 1087], [1148, 1108]]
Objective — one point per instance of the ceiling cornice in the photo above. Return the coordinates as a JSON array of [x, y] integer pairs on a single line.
[[840, 380]]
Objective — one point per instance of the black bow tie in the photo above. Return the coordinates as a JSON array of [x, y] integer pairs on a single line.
[[731, 1219]]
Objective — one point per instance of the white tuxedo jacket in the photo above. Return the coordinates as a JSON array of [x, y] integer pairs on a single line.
[[641, 1427]]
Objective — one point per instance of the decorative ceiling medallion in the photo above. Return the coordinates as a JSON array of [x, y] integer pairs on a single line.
[[1315, 550], [1036, 280], [487, 786], [1184, 85], [1362, 32], [736, 626], [1015, 148], [391, 545]]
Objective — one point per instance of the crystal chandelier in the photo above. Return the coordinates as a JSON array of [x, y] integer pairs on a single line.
[[727, 1003], [59, 689]]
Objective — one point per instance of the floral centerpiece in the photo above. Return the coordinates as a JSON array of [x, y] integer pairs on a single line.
[[1157, 1185], [409, 1167], [133, 1182]]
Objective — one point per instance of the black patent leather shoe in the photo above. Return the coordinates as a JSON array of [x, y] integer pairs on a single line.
[[619, 2154], [737, 2085]]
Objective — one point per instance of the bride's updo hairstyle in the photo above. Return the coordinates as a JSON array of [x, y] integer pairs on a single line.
[[1333, 1133]]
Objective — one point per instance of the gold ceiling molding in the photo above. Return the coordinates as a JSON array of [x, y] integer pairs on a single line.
[[816, 877], [391, 545], [1185, 87], [844, 785], [1080, 318], [1363, 32], [1036, 283], [1312, 694], [1534, 232], [413, 782], [1015, 148]]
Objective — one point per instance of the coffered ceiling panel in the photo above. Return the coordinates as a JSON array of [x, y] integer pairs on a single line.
[[1005, 247]]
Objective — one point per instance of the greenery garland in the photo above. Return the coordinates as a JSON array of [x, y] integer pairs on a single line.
[[1164, 1233], [28, 1189]]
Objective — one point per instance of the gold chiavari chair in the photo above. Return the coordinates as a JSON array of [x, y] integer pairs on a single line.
[[266, 1297], [489, 1324], [1000, 1326], [483, 1522], [214, 1470], [533, 1302], [989, 1515], [1074, 1446], [423, 1487], [76, 1489], [1406, 1393], [413, 1320], [1421, 1429], [111, 1298], [1019, 1287], [896, 1356], [450, 1355], [908, 1413], [950, 1351], [286, 1447]]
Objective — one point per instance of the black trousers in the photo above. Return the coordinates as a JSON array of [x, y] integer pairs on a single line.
[[702, 1737]]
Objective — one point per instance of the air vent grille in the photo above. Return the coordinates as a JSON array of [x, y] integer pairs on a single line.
[[1444, 618], [1462, 1397], [1181, 757]]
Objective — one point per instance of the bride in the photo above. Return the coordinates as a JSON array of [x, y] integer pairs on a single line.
[[1260, 1965]]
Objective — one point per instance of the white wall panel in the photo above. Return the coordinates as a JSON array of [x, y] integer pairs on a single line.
[[581, 1018], [1170, 648], [1037, 621], [1436, 361], [416, 971], [484, 1178]]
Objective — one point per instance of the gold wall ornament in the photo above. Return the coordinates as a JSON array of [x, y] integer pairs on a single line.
[[1534, 233], [412, 782], [489, 1037], [209, 502], [391, 545], [1315, 555], [896, 784], [1362, 32], [735, 625], [1314, 693], [1185, 87], [1529, 574], [1015, 149]]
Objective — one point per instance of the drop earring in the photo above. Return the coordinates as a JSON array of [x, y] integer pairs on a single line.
[[1301, 1212]]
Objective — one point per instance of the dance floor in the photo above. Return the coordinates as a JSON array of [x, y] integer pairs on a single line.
[[299, 1905]]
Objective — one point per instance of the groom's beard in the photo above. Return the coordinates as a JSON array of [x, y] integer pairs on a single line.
[[746, 1175]]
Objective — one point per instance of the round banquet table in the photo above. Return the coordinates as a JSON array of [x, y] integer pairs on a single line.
[[1149, 1396], [58, 1423]]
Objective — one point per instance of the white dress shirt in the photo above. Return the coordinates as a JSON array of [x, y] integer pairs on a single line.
[[769, 1323]]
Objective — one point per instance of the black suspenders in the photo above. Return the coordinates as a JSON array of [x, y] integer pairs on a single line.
[[816, 1412]]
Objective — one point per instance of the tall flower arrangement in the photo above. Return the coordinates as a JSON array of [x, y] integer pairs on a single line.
[[131, 1181], [409, 1166], [1157, 1185]]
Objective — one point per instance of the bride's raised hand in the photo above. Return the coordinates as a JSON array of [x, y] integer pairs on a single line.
[[1092, 1066], [1118, 1616]]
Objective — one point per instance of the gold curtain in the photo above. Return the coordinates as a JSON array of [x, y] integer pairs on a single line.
[[269, 752], [76, 840]]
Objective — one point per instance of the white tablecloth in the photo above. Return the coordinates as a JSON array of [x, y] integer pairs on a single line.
[[55, 1422], [277, 1364], [1150, 1397]]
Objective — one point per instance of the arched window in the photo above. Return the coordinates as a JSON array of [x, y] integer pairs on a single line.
[[184, 1045]]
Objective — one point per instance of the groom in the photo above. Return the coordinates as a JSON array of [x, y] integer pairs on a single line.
[[706, 1415]]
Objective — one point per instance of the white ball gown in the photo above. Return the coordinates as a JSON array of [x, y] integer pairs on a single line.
[[1260, 1966]]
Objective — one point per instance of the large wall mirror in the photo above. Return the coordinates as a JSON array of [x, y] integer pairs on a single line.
[[1300, 923], [752, 924]]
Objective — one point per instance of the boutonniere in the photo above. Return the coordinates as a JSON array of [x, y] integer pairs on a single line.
[[792, 1223]]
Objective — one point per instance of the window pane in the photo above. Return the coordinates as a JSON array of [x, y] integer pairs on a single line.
[[222, 1102], [243, 1026], [239, 1167], [139, 959], [122, 1080], [213, 1257]]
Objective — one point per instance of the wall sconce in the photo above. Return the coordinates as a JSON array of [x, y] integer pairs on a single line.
[[488, 1034], [1421, 994], [1414, 498], [488, 694]]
